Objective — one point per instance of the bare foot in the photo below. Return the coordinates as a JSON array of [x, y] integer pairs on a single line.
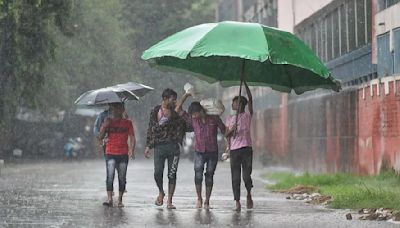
[[160, 200], [238, 207], [249, 202], [199, 203], [206, 205], [170, 206], [108, 203], [120, 204]]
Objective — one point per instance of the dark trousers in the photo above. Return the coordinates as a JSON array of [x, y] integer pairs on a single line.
[[200, 159], [169, 152], [119, 163], [241, 159]]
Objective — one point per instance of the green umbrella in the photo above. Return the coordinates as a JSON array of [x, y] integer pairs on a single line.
[[231, 51]]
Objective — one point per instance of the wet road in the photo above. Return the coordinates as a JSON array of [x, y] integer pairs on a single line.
[[70, 194]]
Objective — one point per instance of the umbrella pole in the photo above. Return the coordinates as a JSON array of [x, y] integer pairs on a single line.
[[240, 94]]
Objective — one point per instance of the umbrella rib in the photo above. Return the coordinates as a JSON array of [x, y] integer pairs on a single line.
[[130, 92]]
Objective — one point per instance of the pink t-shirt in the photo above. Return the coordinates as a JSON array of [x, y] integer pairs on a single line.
[[242, 137]]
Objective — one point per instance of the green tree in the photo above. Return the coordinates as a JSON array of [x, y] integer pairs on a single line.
[[25, 48], [98, 54]]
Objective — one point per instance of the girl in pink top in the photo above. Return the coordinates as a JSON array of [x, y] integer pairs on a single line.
[[241, 152]]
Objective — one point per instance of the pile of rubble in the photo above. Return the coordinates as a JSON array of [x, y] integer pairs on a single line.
[[307, 194], [380, 214]]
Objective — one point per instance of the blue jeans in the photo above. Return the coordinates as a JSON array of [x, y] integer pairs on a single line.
[[200, 159], [119, 163]]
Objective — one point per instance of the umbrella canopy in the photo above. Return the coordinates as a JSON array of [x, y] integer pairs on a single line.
[[228, 50], [113, 94]]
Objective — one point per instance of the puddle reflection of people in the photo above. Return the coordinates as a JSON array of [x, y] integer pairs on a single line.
[[114, 217], [166, 217], [204, 217], [240, 219]]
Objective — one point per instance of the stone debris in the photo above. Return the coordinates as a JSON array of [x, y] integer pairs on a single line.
[[349, 217], [379, 214], [312, 198]]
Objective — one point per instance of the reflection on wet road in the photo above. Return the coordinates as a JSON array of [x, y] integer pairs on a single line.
[[56, 194]]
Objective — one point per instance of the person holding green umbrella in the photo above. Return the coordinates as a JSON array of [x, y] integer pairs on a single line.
[[240, 146]]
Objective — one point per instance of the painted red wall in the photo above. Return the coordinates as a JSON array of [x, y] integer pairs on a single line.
[[355, 130]]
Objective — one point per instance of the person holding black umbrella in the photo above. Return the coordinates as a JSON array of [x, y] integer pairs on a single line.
[[120, 147]]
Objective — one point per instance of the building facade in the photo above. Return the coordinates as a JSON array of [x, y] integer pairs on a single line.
[[356, 130]]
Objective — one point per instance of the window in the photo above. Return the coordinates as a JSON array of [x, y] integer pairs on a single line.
[[343, 30], [351, 24], [335, 34], [361, 36], [322, 27], [313, 38], [396, 37], [385, 56], [368, 9], [383, 4], [329, 37]]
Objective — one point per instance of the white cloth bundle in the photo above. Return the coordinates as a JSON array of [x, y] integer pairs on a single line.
[[213, 106]]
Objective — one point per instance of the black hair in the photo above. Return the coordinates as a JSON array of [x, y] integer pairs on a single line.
[[117, 104], [195, 106], [167, 93], [243, 102]]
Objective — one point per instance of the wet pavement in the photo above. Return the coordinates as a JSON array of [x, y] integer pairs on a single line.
[[70, 194]]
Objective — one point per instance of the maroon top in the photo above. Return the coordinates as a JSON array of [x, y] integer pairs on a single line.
[[205, 133]]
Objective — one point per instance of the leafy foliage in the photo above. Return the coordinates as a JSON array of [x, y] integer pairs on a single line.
[[53, 50]]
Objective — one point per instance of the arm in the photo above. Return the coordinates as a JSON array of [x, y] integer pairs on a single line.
[[104, 128], [250, 104], [184, 115], [178, 108], [132, 145], [188, 122], [230, 127], [230, 131], [131, 141], [125, 115], [221, 125], [97, 125], [150, 135]]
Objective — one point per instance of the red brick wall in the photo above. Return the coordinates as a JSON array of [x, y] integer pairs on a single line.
[[352, 131]]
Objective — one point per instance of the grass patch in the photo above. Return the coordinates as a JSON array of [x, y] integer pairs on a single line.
[[348, 191]]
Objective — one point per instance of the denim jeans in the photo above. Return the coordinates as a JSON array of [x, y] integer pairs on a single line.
[[171, 153], [241, 159], [119, 163], [200, 159]]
